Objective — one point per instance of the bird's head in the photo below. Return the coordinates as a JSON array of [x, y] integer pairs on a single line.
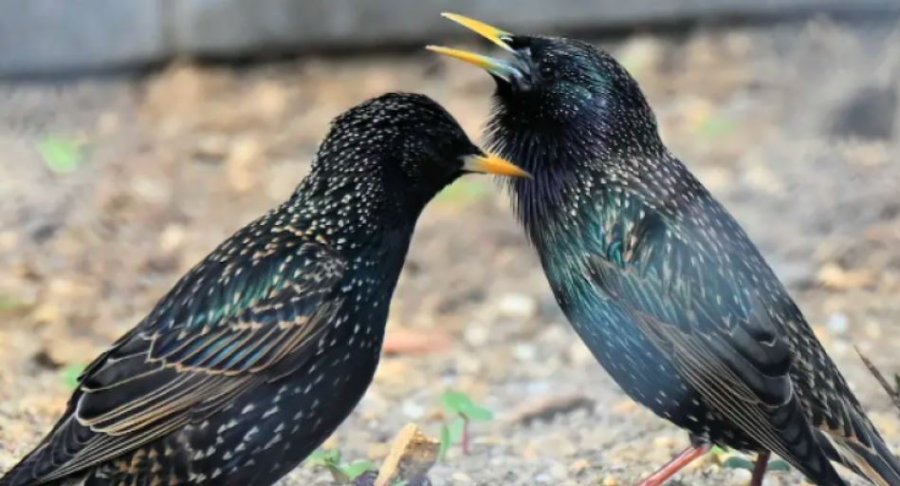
[[408, 144], [554, 85], [398, 150]]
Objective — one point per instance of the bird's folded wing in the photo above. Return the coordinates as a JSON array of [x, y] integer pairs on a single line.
[[711, 325], [219, 332]]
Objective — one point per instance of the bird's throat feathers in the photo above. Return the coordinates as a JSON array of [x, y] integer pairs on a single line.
[[568, 156]]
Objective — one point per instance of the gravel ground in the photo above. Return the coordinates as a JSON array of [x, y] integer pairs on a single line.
[[795, 127]]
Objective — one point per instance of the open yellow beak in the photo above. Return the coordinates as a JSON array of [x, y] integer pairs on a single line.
[[497, 67], [489, 32], [492, 164]]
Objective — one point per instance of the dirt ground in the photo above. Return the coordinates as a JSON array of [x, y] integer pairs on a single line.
[[112, 188]]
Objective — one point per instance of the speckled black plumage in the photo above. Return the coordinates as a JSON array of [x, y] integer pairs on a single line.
[[657, 278], [264, 348]]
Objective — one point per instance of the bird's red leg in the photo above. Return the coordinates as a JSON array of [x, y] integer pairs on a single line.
[[680, 461], [759, 469]]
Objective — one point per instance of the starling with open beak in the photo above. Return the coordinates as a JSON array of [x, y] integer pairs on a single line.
[[657, 278]]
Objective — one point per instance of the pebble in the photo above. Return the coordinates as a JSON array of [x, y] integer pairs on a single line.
[[412, 409], [171, 238], [517, 305], [838, 323], [737, 477], [872, 329], [476, 335], [579, 466], [525, 352], [461, 479]]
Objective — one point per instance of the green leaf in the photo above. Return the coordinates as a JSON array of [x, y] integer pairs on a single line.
[[718, 451], [358, 468], [61, 155], [315, 457], [71, 373], [324, 458], [737, 462], [455, 402], [478, 413], [779, 465]]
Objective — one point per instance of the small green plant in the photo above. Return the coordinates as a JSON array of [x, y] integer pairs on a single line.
[[344, 473], [61, 155], [734, 460], [460, 410]]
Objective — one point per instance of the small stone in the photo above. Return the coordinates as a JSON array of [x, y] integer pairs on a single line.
[[244, 163], [737, 477], [872, 330], [764, 179], [625, 407], [171, 238], [558, 471], [8, 240], [868, 114], [517, 305], [547, 409], [269, 101], [525, 352], [579, 466], [664, 442], [838, 324], [462, 479], [476, 335], [211, 147], [834, 277], [412, 409], [403, 340], [46, 314], [151, 190], [610, 481]]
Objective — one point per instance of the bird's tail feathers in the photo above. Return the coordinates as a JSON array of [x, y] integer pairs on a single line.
[[874, 462]]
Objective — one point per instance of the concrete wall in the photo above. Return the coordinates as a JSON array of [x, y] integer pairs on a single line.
[[50, 36]]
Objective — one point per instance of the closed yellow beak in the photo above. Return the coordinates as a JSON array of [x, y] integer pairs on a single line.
[[492, 164]]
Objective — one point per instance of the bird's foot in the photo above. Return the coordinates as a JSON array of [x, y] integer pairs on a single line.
[[686, 457]]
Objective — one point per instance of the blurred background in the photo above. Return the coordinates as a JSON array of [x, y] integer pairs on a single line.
[[135, 136]]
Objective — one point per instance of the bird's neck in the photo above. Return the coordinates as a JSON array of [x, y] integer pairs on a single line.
[[571, 166], [353, 213]]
